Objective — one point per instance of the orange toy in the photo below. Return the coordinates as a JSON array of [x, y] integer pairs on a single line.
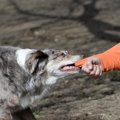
[[110, 59]]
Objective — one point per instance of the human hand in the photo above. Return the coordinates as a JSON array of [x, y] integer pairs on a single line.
[[92, 66]]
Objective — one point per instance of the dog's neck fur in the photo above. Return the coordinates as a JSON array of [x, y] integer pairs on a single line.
[[51, 80]]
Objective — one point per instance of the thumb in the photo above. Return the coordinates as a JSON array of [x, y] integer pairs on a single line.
[[80, 62], [90, 62]]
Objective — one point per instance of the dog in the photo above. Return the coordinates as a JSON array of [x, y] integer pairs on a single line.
[[27, 75]]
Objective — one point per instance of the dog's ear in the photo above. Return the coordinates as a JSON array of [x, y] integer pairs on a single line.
[[36, 59]]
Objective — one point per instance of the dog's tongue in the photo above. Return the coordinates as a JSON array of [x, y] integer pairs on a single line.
[[70, 68]]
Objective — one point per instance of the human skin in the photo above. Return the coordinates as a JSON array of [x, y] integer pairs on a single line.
[[103, 62], [93, 66]]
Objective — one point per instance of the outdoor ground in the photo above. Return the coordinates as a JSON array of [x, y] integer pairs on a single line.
[[81, 27]]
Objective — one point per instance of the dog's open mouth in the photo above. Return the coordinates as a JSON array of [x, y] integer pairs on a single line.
[[69, 67]]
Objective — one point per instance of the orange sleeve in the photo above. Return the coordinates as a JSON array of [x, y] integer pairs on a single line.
[[110, 59]]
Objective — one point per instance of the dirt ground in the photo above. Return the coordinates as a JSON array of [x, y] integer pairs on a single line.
[[81, 27]]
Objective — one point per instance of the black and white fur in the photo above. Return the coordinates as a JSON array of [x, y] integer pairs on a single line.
[[26, 75]]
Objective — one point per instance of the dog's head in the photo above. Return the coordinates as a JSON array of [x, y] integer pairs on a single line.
[[61, 63], [56, 63]]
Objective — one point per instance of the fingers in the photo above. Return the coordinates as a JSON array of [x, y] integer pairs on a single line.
[[92, 67], [98, 71], [87, 68], [95, 71]]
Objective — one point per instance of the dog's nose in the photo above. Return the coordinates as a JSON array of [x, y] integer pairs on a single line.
[[81, 56], [66, 52]]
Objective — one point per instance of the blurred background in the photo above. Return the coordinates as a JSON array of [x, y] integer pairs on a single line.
[[80, 26]]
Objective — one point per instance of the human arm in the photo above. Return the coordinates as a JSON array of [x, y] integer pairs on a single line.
[[106, 61]]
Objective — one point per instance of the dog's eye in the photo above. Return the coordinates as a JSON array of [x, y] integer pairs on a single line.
[[62, 54], [53, 52]]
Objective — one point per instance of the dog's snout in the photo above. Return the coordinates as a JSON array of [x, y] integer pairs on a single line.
[[64, 53], [81, 56]]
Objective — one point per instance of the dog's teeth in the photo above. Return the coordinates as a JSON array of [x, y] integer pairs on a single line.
[[67, 68], [71, 67]]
